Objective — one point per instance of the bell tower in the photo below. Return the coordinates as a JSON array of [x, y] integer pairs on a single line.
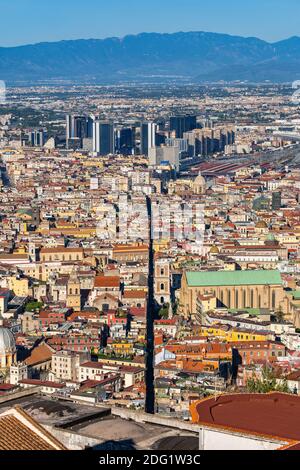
[[73, 293], [162, 285]]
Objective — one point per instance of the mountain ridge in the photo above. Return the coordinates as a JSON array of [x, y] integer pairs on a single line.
[[195, 56]]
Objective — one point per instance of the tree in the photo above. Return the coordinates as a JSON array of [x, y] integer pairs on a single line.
[[164, 312], [279, 315], [267, 383], [33, 305], [175, 307]]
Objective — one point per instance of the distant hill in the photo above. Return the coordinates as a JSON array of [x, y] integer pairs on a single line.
[[196, 56]]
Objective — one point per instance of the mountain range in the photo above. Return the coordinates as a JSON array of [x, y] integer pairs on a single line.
[[188, 56]]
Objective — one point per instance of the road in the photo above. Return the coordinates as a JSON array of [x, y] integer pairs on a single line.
[[150, 394]]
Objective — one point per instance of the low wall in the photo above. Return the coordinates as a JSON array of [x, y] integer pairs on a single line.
[[141, 417], [72, 440], [24, 393]]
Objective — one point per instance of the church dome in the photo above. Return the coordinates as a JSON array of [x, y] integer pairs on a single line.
[[200, 181], [199, 184], [7, 341], [261, 224]]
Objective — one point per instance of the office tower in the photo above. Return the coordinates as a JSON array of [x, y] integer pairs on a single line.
[[148, 133], [77, 129], [37, 137], [160, 138], [207, 141], [103, 137], [87, 144], [182, 144], [89, 127], [182, 124], [125, 140], [165, 156], [276, 201], [69, 127]]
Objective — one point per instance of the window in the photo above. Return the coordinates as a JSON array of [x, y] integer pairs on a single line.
[[229, 299], [244, 299], [273, 299], [237, 299]]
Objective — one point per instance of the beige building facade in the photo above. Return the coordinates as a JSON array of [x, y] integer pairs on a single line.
[[234, 290]]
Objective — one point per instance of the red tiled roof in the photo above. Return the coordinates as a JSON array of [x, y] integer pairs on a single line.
[[107, 281], [134, 294], [41, 353], [41, 383]]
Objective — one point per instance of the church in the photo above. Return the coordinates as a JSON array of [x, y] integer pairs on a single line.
[[234, 290]]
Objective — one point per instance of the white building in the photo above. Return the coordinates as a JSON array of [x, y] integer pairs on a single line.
[[18, 372]]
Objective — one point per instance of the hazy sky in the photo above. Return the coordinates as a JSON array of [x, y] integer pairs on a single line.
[[30, 21]]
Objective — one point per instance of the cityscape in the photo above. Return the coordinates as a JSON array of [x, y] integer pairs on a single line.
[[149, 265]]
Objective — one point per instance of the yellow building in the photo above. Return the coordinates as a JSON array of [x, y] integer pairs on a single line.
[[19, 286], [231, 334], [61, 254], [122, 348], [42, 271], [161, 245], [207, 303]]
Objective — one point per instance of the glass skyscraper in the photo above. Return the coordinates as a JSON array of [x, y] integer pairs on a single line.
[[148, 133], [103, 137], [182, 124]]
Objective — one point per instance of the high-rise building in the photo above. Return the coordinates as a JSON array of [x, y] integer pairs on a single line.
[[125, 140], [182, 144], [182, 124], [207, 141], [148, 133], [76, 127], [89, 127], [36, 137], [103, 137], [165, 155]]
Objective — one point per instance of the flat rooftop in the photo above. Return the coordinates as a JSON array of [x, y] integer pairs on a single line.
[[114, 428], [98, 423], [57, 413]]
